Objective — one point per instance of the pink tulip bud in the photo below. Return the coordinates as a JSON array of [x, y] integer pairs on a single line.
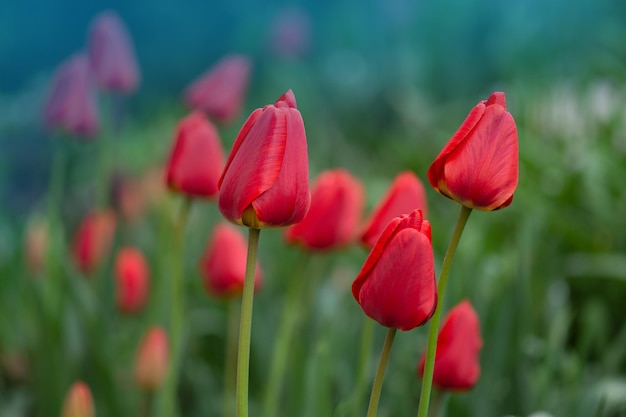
[[78, 402], [220, 91], [71, 104], [112, 55], [152, 360]]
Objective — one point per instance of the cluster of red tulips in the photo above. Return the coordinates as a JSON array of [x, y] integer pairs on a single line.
[[264, 183]]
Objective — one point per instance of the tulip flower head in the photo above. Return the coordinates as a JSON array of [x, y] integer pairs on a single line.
[[152, 360], [336, 207], [223, 266], [71, 104], [196, 160], [457, 364], [111, 54], [220, 91], [266, 179], [405, 194], [93, 240], [396, 285], [78, 401], [132, 279], [478, 168]]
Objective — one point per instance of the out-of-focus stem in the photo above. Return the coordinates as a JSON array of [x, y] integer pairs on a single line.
[[429, 366], [367, 339], [169, 407], [230, 361]]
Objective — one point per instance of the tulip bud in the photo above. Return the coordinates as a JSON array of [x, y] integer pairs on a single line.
[[223, 265], [457, 364], [335, 213], [78, 402], [396, 285], [93, 240], [405, 194], [71, 105], [266, 179], [132, 279], [196, 159], [220, 91], [111, 54], [152, 360], [36, 246], [478, 168]]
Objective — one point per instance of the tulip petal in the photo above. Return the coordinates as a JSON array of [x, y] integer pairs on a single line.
[[401, 291], [482, 171], [436, 170], [288, 199], [265, 131]]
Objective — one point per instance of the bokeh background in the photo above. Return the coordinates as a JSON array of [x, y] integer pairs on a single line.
[[381, 86]]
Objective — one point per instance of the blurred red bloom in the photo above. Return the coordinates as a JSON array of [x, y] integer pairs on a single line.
[[405, 194], [223, 265], [78, 401], [457, 364], [220, 91], [93, 240], [335, 213], [396, 285], [196, 160], [132, 280], [111, 54], [266, 179], [70, 105], [478, 167], [152, 359]]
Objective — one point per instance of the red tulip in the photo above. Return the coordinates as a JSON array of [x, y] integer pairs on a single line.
[[197, 158], [132, 279], [71, 104], [223, 266], [78, 402], [479, 166], [266, 179], [220, 91], [405, 194], [457, 364], [93, 240], [396, 286], [111, 54], [332, 220], [152, 359]]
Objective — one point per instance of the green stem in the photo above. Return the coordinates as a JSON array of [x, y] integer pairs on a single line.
[[230, 362], [367, 339], [289, 317], [178, 306], [429, 366], [147, 400], [380, 373], [245, 325]]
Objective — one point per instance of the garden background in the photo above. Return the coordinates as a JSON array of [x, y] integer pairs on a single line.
[[381, 86]]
